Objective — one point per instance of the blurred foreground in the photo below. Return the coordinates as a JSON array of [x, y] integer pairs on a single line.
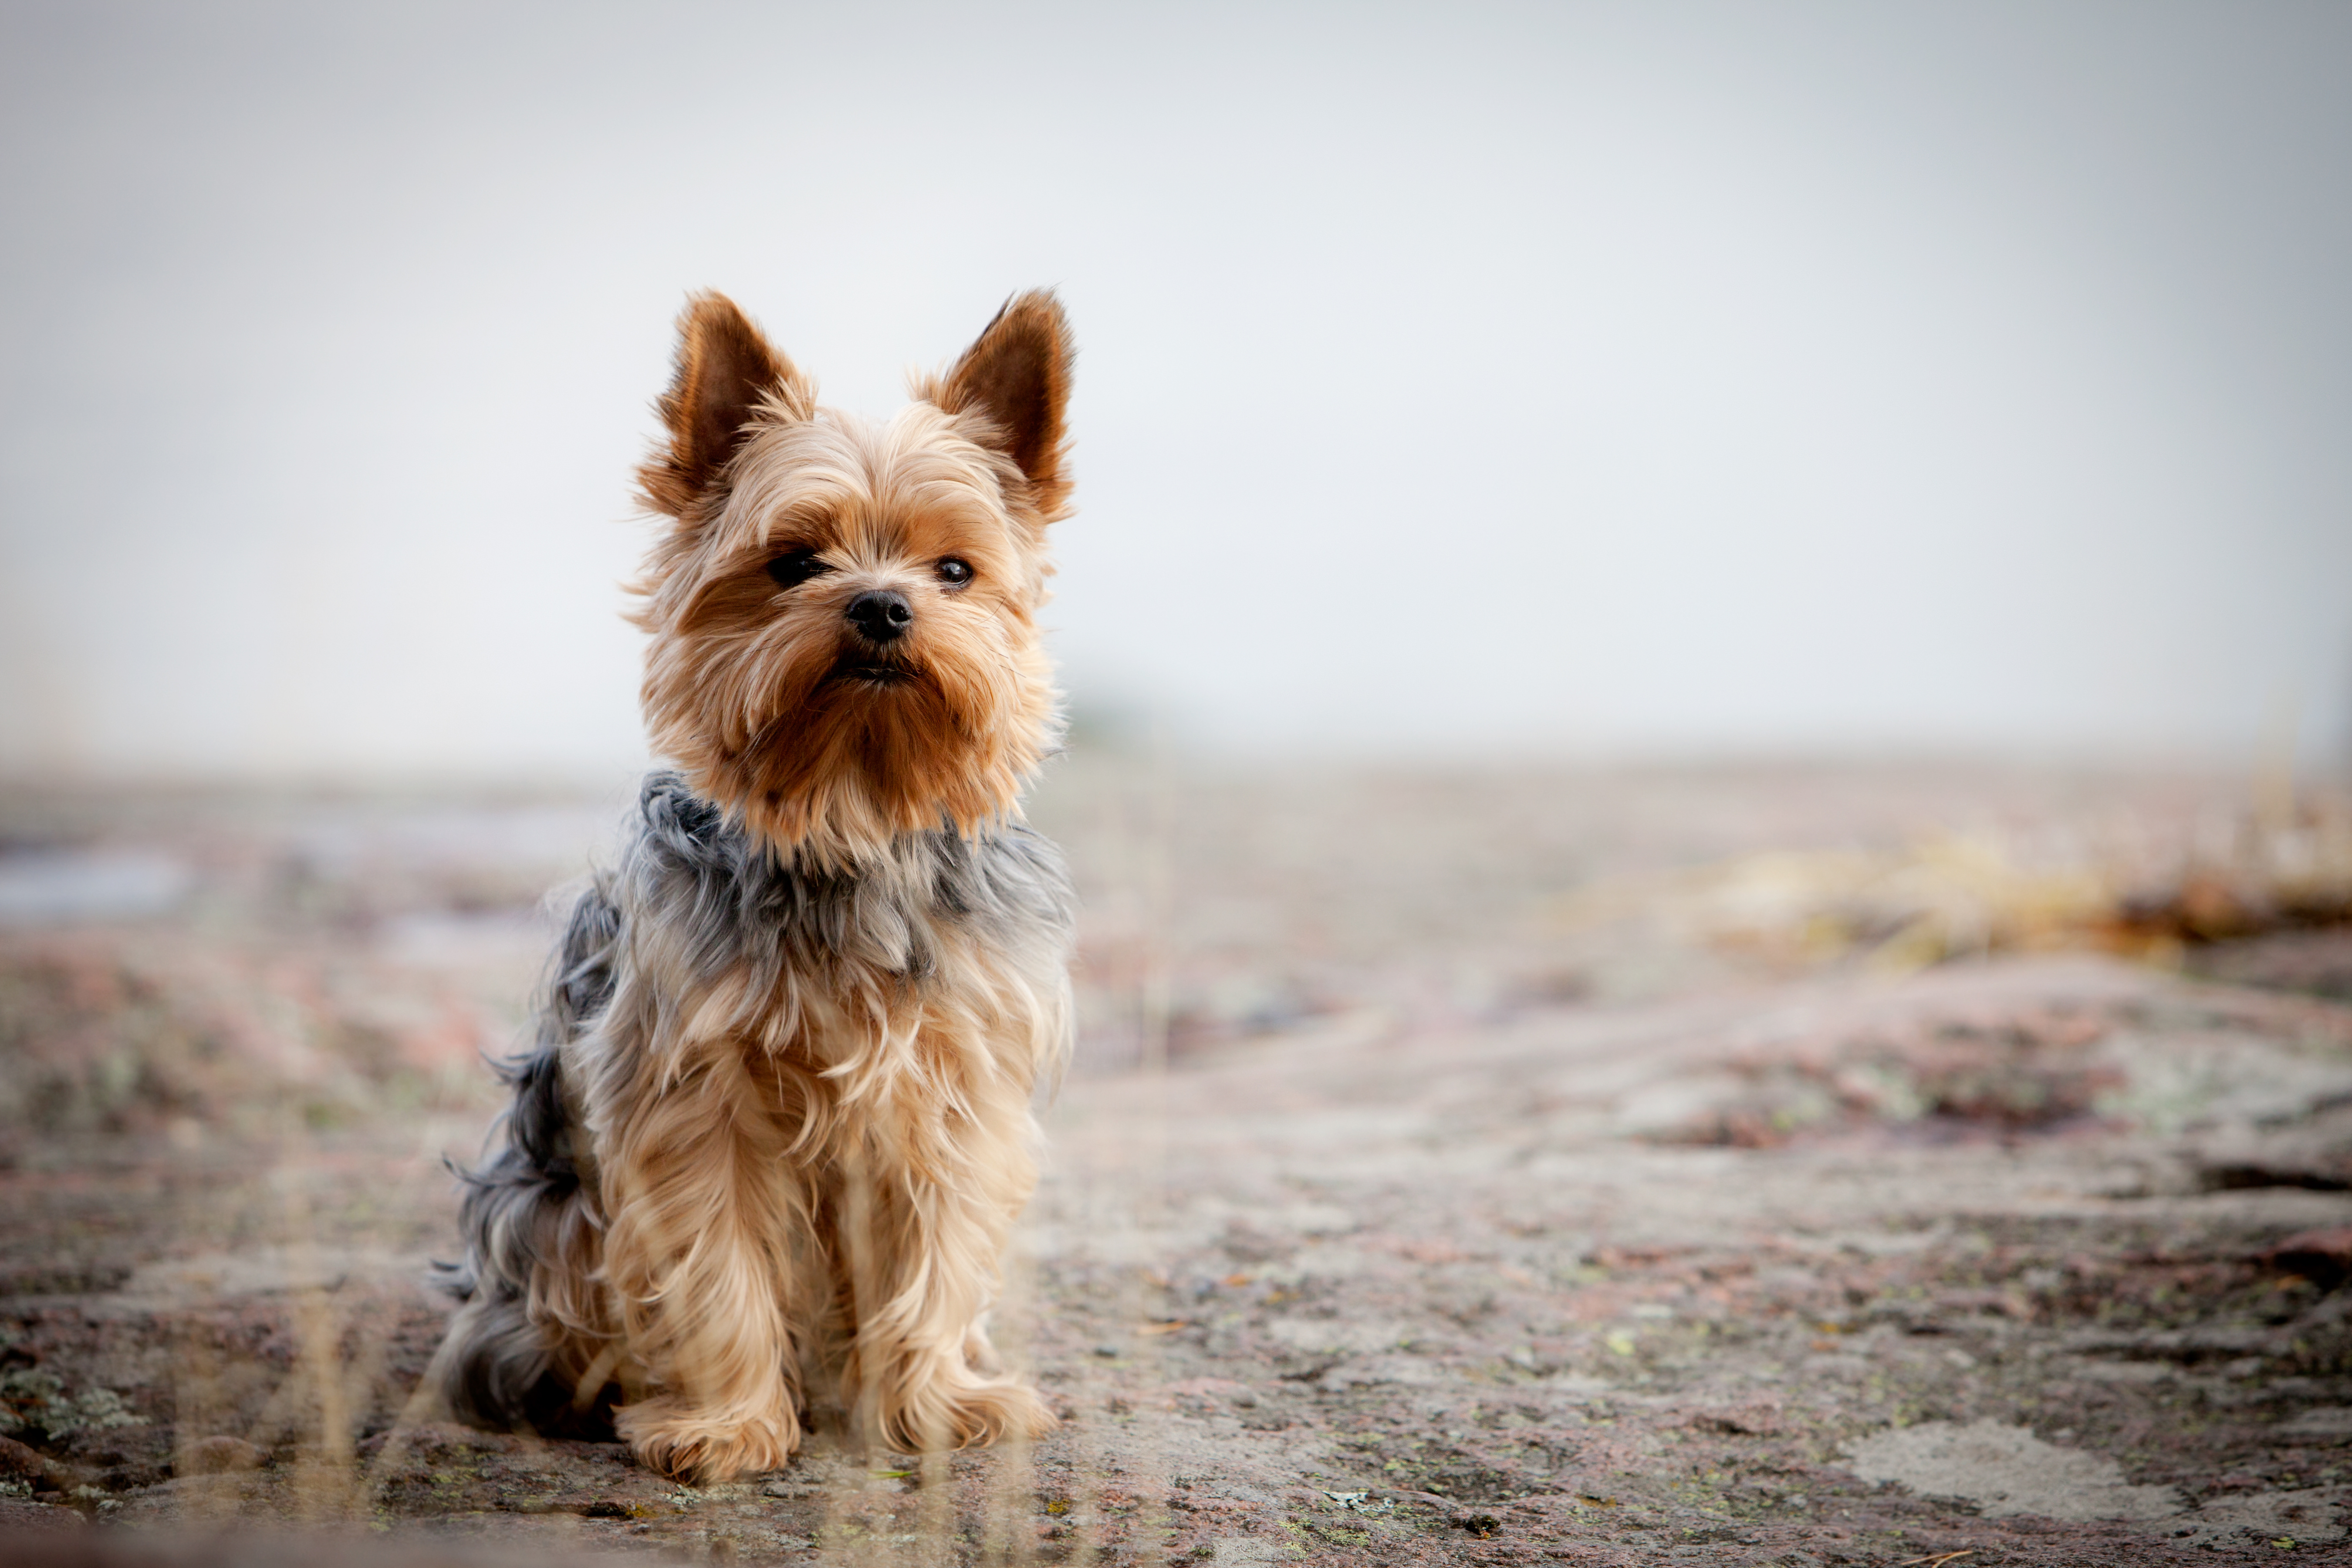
[[1759, 1165]]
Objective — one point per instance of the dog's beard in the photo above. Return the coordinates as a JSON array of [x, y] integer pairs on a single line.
[[868, 667], [869, 712], [855, 745]]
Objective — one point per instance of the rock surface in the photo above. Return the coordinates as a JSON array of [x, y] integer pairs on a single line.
[[1399, 1210]]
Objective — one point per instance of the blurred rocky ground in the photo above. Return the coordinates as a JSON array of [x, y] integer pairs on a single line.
[[1792, 1166]]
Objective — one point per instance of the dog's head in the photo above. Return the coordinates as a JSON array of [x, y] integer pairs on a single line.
[[844, 644]]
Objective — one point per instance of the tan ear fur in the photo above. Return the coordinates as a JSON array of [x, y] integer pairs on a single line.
[[726, 371], [1016, 378]]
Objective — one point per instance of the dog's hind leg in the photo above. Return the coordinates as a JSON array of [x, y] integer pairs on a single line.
[[532, 1345]]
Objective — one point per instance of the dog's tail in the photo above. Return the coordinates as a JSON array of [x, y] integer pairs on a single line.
[[530, 1330]]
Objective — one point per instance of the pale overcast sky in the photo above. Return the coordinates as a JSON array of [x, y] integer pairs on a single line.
[[1604, 379]]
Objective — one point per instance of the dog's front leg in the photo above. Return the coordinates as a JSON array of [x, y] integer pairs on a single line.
[[699, 1256], [926, 1210]]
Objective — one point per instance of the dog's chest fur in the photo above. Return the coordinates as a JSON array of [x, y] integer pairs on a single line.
[[702, 939]]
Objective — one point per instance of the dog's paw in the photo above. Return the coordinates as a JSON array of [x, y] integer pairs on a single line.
[[966, 1414], [1011, 1410], [695, 1446]]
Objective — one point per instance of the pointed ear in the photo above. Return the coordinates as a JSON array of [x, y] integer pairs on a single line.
[[725, 372], [1017, 377]]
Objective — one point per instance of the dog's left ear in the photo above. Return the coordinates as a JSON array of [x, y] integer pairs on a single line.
[[1017, 378]]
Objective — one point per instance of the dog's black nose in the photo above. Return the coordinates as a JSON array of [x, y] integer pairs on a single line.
[[881, 615]]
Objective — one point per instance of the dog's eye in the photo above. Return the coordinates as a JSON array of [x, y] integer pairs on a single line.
[[954, 570], [794, 567]]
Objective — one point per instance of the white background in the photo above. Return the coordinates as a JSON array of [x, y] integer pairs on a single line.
[[1647, 378]]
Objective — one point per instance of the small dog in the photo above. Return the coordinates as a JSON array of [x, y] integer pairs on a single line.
[[776, 1123]]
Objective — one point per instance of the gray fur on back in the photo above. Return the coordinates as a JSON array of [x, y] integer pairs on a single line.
[[727, 905]]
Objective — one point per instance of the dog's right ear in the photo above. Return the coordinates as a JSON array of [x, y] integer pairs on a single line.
[[725, 374]]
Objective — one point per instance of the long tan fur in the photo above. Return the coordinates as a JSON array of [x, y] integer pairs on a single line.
[[772, 1150]]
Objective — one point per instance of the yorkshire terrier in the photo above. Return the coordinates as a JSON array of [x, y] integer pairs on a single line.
[[765, 1152]]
